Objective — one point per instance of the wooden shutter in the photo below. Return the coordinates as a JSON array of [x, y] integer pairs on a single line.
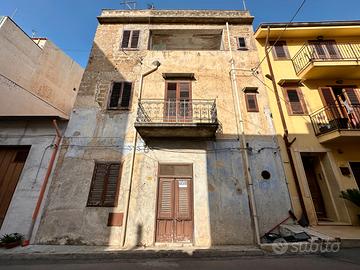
[[279, 50], [351, 95], [294, 103], [126, 95], [166, 198], [104, 185], [251, 102], [111, 185], [115, 95], [183, 199], [135, 39], [327, 96], [125, 39]]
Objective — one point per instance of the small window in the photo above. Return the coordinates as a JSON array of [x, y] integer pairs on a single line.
[[130, 39], [295, 102], [251, 102], [120, 96], [280, 51], [104, 185], [241, 43]]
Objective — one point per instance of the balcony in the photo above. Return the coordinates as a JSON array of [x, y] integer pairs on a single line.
[[328, 60], [158, 118], [336, 123]]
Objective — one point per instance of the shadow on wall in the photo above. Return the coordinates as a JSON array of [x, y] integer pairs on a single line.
[[231, 221], [94, 135]]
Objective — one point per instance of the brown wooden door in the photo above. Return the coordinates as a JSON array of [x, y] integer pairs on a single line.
[[316, 195], [178, 105], [174, 216], [12, 161]]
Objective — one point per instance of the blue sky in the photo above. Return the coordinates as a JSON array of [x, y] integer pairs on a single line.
[[71, 24]]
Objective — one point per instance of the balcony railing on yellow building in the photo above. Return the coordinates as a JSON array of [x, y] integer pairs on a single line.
[[325, 52], [336, 117]]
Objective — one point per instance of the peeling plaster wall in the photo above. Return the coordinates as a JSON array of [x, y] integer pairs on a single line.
[[221, 204]]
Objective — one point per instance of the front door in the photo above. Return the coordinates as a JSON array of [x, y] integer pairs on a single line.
[[312, 176], [324, 49], [178, 105], [174, 221], [12, 160], [355, 167]]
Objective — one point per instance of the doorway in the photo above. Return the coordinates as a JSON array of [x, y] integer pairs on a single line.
[[178, 103], [355, 167], [12, 160], [318, 186], [174, 219]]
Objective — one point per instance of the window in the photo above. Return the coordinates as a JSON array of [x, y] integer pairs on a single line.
[[120, 96], [280, 51], [251, 102], [104, 185], [241, 43], [295, 102], [130, 39]]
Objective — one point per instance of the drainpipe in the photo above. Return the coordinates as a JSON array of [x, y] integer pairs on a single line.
[[241, 137], [157, 65], [304, 220], [44, 184]]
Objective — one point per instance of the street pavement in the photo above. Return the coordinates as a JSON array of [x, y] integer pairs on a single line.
[[345, 259]]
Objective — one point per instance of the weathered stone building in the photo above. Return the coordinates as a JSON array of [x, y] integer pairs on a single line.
[[171, 139], [38, 84]]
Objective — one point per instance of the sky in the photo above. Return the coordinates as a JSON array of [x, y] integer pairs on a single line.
[[71, 24]]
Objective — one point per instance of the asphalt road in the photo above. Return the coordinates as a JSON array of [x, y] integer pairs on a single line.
[[346, 259]]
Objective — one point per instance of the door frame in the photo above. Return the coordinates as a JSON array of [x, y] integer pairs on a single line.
[[177, 99], [352, 173], [157, 199], [305, 190]]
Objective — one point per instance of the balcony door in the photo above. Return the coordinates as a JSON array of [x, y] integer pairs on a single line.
[[324, 49], [178, 105], [342, 105]]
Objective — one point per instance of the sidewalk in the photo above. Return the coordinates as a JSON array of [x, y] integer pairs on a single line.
[[67, 252]]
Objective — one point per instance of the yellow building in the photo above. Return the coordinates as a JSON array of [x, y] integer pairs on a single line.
[[316, 71]]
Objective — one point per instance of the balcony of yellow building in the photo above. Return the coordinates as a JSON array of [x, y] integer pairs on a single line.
[[337, 123], [327, 60], [159, 118]]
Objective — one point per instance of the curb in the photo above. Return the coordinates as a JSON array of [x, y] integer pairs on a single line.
[[134, 254]]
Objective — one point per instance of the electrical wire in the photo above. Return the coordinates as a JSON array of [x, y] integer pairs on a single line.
[[280, 35]]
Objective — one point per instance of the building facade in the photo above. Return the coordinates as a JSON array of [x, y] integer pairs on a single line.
[[316, 70], [38, 84], [171, 139]]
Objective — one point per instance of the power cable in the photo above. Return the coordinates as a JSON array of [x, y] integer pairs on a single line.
[[280, 35]]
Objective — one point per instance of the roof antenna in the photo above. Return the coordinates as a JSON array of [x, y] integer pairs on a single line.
[[244, 4], [13, 14], [128, 4], [151, 6], [33, 33]]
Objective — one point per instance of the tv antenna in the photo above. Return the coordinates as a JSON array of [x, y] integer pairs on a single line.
[[128, 4], [33, 33], [244, 4], [151, 6]]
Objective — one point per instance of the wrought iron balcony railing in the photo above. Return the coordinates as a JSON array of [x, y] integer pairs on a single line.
[[336, 117], [325, 51], [159, 111]]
